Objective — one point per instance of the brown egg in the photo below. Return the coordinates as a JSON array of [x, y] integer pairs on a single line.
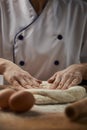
[[4, 97], [21, 101]]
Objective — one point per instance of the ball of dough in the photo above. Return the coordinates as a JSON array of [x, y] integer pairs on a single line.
[[4, 97], [21, 101]]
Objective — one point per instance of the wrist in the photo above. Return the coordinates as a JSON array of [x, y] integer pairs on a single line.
[[84, 70], [3, 65]]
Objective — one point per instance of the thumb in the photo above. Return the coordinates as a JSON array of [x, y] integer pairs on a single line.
[[51, 80]]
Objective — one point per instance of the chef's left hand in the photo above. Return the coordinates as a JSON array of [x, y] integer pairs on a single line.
[[68, 77]]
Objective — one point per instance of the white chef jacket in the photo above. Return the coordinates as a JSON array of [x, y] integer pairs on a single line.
[[44, 44]]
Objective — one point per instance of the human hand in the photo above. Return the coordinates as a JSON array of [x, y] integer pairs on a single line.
[[19, 78], [68, 77]]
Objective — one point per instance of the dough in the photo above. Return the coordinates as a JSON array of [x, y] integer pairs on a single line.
[[54, 96]]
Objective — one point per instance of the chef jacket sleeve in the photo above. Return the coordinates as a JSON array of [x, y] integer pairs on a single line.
[[83, 54]]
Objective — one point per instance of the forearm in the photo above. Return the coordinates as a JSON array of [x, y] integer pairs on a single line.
[[3, 65]]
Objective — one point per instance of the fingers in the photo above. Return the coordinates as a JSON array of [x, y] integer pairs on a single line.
[[64, 81], [56, 82], [75, 81], [28, 82], [24, 81], [67, 84], [33, 82], [17, 85], [52, 79], [38, 81]]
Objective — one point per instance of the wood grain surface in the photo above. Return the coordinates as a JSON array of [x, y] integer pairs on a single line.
[[39, 119]]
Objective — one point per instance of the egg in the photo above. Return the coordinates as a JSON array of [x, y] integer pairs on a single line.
[[4, 97], [21, 101]]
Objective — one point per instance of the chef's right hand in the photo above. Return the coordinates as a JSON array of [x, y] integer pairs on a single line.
[[18, 77]]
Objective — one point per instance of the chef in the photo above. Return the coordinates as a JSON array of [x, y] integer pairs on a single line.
[[43, 40]]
